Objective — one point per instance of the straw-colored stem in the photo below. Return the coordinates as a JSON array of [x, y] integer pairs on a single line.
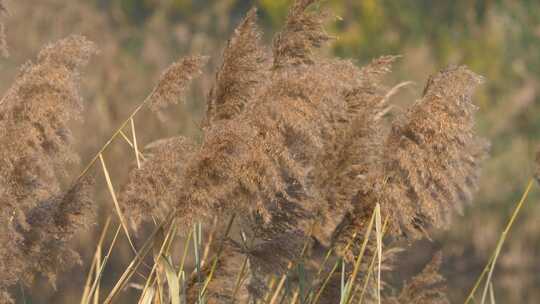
[[105, 259], [361, 254], [97, 275], [161, 251], [280, 285], [239, 279], [135, 147], [329, 276], [491, 293], [87, 285], [115, 200], [218, 254], [184, 255], [270, 288], [128, 141], [137, 260], [372, 264], [492, 261], [112, 138]]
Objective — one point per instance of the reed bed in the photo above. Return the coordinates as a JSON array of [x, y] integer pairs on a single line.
[[305, 186]]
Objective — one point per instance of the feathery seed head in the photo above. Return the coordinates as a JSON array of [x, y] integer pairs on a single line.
[[174, 82], [36, 218]]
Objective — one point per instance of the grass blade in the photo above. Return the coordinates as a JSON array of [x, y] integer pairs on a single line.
[[105, 259], [162, 247], [372, 265], [115, 200], [379, 248], [218, 254], [172, 280], [492, 261], [186, 249], [239, 279], [361, 254], [149, 296], [128, 141], [137, 261], [135, 143], [491, 293], [87, 285]]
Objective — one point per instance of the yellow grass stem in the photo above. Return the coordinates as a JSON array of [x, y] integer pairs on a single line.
[[270, 287], [372, 264], [115, 200], [87, 285], [137, 260], [488, 269], [358, 262], [135, 143], [280, 285], [105, 259], [184, 255], [161, 251], [239, 279], [491, 293], [128, 141], [218, 254], [295, 297], [329, 276], [112, 138], [378, 231]]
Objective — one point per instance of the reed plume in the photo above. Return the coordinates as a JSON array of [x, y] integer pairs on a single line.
[[427, 287], [303, 31], [37, 217], [242, 71], [304, 141], [3, 44], [431, 161], [174, 81]]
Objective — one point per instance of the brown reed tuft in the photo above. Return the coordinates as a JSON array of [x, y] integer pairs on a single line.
[[302, 32], [241, 73], [3, 44], [37, 219], [221, 288], [174, 81], [305, 142], [152, 189], [431, 161], [427, 287]]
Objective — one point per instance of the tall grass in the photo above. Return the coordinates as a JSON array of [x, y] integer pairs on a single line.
[[298, 151]]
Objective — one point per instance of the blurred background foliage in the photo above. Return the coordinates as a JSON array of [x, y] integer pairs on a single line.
[[499, 39]]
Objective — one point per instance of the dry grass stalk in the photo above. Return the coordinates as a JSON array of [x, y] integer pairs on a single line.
[[490, 266]]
